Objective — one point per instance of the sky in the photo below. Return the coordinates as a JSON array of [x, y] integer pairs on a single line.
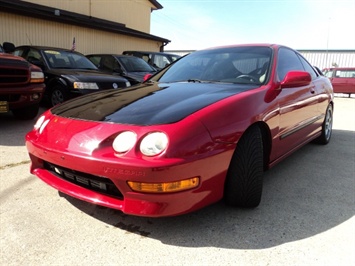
[[299, 24]]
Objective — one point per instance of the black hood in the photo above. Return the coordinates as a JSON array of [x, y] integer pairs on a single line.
[[84, 75], [148, 104]]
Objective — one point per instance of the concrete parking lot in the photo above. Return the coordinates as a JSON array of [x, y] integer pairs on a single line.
[[306, 216]]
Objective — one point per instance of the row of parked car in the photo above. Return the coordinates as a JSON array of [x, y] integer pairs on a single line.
[[68, 74]]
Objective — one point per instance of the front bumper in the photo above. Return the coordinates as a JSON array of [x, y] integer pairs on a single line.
[[210, 170], [21, 97]]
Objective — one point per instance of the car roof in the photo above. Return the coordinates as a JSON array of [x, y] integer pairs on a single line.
[[115, 55], [339, 68], [148, 52], [38, 47], [271, 45]]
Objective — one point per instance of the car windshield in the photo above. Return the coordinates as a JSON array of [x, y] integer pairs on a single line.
[[67, 60], [246, 65], [135, 64]]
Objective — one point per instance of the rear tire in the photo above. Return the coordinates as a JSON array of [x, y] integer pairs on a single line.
[[26, 113], [244, 182], [327, 127]]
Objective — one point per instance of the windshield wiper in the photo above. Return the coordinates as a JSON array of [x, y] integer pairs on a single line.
[[201, 81], [194, 80]]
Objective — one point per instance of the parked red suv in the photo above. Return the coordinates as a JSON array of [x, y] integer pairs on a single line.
[[21, 85], [343, 79]]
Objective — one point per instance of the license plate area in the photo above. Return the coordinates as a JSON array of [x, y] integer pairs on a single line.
[[4, 107]]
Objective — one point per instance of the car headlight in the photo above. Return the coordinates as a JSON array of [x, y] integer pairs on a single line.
[[124, 141], [154, 144], [45, 123], [85, 85], [37, 77], [39, 122]]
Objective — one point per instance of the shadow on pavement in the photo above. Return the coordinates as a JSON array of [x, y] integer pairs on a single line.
[[310, 192], [13, 131]]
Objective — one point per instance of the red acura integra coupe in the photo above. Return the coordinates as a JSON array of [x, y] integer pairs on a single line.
[[202, 129]]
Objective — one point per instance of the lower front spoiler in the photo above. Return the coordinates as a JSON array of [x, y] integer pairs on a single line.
[[139, 204]]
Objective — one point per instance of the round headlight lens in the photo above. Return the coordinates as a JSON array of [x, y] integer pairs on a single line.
[[124, 141], [154, 143]]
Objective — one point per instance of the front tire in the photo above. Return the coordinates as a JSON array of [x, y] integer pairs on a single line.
[[244, 182], [327, 127], [58, 95]]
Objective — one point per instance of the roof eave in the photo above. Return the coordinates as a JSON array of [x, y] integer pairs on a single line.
[[49, 13], [156, 4]]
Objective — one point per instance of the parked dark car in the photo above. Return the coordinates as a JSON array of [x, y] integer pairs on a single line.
[[68, 74], [158, 60], [202, 129], [134, 69], [21, 85], [342, 79]]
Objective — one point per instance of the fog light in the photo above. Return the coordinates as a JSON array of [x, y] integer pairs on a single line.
[[35, 96], [164, 187]]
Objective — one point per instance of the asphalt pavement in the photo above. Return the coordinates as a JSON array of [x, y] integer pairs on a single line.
[[306, 216]]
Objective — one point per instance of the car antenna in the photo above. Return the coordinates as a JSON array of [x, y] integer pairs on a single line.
[[29, 39]]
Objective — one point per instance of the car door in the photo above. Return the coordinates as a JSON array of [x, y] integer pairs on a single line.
[[344, 81], [320, 88], [297, 106]]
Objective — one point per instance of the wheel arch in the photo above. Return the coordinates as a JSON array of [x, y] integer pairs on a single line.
[[267, 143], [56, 81]]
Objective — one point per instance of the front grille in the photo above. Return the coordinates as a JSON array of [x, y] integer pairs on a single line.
[[110, 85], [99, 184], [13, 75], [10, 97]]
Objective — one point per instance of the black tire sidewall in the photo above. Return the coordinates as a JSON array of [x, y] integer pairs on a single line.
[[61, 89], [243, 186]]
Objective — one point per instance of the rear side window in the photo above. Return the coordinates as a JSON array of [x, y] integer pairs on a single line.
[[345, 73], [160, 61], [328, 73]]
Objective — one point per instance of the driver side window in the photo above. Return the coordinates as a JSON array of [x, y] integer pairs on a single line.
[[287, 61], [34, 54], [308, 68]]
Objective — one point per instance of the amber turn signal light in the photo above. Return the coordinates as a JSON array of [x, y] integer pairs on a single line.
[[164, 187]]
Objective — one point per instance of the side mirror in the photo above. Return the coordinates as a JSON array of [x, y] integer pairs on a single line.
[[118, 70], [296, 79], [8, 47]]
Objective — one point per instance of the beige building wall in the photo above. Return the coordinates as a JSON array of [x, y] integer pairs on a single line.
[[134, 14], [22, 30]]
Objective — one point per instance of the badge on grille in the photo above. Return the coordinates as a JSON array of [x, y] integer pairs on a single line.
[[114, 85]]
